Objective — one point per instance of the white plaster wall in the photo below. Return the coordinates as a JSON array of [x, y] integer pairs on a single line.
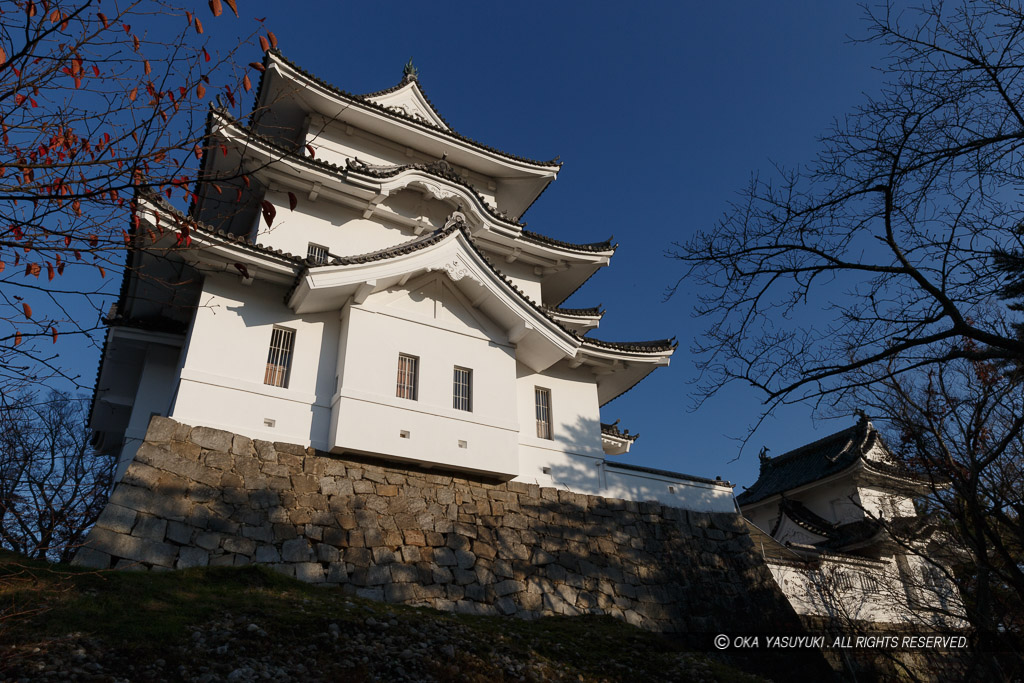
[[523, 276], [575, 413], [886, 504], [341, 229], [434, 323], [588, 474], [222, 378], [157, 381], [686, 494], [819, 593]]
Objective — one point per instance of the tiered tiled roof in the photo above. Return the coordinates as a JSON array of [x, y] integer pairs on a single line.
[[653, 347], [364, 100], [822, 458], [436, 169]]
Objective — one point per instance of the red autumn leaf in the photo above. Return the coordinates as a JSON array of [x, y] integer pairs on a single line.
[[95, 71], [17, 338], [53, 331], [127, 29], [259, 67], [200, 91], [216, 8], [312, 152], [269, 212], [217, 188], [49, 271], [273, 39], [246, 83], [292, 201], [245, 179], [27, 310], [264, 45], [135, 43], [233, 6], [3, 57], [133, 94], [18, 99], [93, 240], [78, 255], [34, 269], [60, 269], [103, 273], [199, 26], [2, 266], [30, 8], [206, 55], [55, 16], [146, 67], [224, 149], [103, 19], [188, 16]]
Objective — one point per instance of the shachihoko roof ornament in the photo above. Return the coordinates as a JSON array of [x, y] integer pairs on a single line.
[[410, 72]]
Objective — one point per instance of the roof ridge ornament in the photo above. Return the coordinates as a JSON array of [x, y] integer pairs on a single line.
[[763, 458], [410, 72]]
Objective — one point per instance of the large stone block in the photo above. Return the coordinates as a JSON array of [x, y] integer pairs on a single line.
[[132, 548], [296, 550], [213, 439], [117, 518], [152, 528], [311, 572], [161, 429], [192, 557]]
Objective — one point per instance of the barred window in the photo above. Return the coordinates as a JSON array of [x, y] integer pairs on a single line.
[[842, 581], [869, 584], [279, 358], [542, 399], [408, 377], [316, 254], [462, 389]]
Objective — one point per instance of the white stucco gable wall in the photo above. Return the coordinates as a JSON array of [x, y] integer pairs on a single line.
[[431, 321]]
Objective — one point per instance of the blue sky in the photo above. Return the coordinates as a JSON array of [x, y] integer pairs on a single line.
[[660, 113]]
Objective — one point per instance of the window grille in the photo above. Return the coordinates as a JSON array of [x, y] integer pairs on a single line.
[[316, 254], [933, 577], [279, 359], [408, 375], [843, 581], [462, 389], [869, 584], [542, 398]]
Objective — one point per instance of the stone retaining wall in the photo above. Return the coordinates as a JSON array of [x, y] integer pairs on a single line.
[[198, 496]]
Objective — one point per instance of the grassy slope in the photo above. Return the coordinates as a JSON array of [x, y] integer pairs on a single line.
[[210, 622]]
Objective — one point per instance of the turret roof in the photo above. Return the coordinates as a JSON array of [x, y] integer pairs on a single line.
[[367, 101], [823, 458]]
